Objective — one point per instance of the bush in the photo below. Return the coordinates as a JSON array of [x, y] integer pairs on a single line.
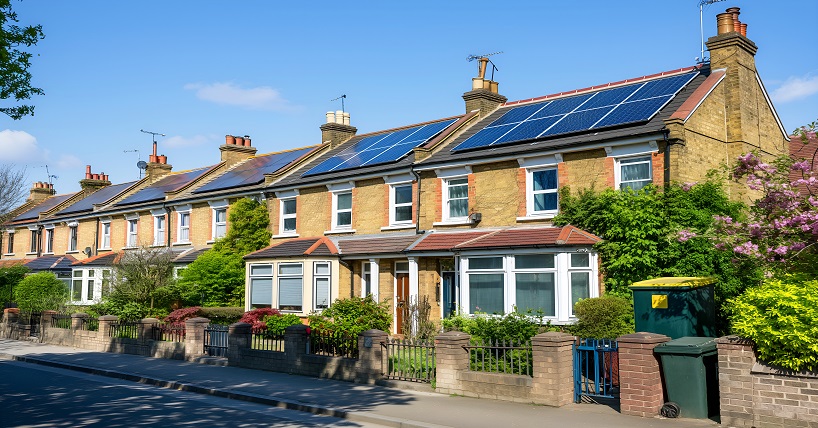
[[9, 278], [125, 310], [277, 324], [40, 292], [781, 317], [256, 317], [179, 316], [606, 317], [353, 316], [222, 315], [512, 326], [213, 279]]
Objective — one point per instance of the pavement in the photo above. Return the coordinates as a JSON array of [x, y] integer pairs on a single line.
[[418, 407]]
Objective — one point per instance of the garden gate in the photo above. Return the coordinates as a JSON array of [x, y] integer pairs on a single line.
[[596, 369], [215, 340]]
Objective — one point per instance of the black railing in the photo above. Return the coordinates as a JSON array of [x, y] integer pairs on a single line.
[[89, 324], [408, 359], [500, 356], [124, 330], [169, 332], [215, 340], [264, 340], [332, 344], [60, 321]]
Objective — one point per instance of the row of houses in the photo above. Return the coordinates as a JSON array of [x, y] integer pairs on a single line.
[[458, 209]]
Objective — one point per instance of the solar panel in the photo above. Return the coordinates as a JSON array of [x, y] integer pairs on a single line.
[[252, 171], [381, 148], [98, 197], [157, 190], [43, 206], [602, 108]]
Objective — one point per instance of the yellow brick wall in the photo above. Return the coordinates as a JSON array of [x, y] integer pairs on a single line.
[[313, 214], [369, 206], [586, 169], [496, 194]]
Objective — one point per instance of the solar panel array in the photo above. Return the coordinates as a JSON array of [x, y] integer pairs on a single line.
[[157, 190], [381, 148], [98, 197], [622, 105], [44, 206], [252, 171]]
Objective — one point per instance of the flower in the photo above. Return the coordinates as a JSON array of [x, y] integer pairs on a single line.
[[685, 235]]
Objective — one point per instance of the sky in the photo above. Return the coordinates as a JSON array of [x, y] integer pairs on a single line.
[[198, 70]]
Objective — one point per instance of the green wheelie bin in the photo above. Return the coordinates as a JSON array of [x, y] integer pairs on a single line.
[[676, 307], [690, 370]]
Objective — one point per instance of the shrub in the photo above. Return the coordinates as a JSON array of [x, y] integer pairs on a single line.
[[781, 317], [9, 278], [179, 316], [515, 326], [213, 279], [125, 310], [606, 317], [276, 324], [353, 316], [256, 317], [222, 315], [40, 292]]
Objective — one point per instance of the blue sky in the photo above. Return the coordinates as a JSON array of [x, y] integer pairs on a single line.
[[197, 70]]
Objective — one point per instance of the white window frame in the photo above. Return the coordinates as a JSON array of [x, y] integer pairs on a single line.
[[160, 223], [447, 184], [336, 211], [318, 306], [73, 237], [588, 269], [219, 226], [105, 235], [182, 213], [394, 205], [48, 239], [89, 281], [34, 240], [10, 243], [251, 267], [631, 160], [283, 217], [280, 276], [131, 232], [531, 193]]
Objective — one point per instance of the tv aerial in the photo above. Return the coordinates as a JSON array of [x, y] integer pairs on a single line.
[[342, 97], [49, 174], [702, 4], [481, 69], [142, 165]]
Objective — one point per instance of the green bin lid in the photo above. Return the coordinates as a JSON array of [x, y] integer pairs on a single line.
[[678, 283], [689, 345]]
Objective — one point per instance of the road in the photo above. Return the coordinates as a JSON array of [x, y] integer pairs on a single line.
[[37, 396]]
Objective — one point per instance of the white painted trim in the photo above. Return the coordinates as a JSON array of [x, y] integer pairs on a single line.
[[632, 149], [72, 223], [48, 226], [286, 235], [158, 212], [341, 187], [536, 217], [218, 203], [400, 227], [33, 227], [452, 223], [374, 278], [398, 178], [339, 231], [451, 172], [286, 194], [540, 161], [131, 216], [183, 208]]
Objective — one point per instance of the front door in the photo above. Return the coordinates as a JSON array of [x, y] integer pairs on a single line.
[[401, 294], [449, 294]]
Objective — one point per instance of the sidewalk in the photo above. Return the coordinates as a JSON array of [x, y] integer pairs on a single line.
[[355, 402]]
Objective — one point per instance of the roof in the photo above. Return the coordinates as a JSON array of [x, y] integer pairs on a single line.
[[170, 183], [376, 245], [561, 141], [34, 212], [99, 197], [297, 247], [189, 256], [518, 237], [105, 259], [297, 179], [251, 171], [51, 263]]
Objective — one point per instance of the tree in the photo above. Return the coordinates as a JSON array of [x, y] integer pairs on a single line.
[[9, 278], [15, 79], [12, 189], [40, 292], [143, 276], [248, 232], [213, 279]]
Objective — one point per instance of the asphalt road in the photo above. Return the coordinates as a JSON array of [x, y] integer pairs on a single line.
[[35, 396]]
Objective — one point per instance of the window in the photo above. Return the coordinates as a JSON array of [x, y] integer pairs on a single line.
[[366, 278], [261, 285], [321, 283], [542, 192], [72, 238], [219, 223], [184, 227], [76, 286], [106, 235], [580, 277], [132, 233], [89, 286], [486, 284], [288, 215], [10, 245], [634, 172], [49, 240], [342, 210], [107, 284], [158, 230], [535, 283], [400, 204], [290, 286], [456, 199], [83, 287], [34, 241]]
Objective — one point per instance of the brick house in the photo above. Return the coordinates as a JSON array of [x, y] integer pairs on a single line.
[[458, 209]]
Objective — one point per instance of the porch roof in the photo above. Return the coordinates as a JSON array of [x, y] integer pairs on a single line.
[[320, 246]]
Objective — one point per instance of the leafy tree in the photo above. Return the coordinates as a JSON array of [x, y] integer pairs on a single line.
[[40, 292], [143, 276], [248, 232], [15, 79], [9, 278], [213, 279]]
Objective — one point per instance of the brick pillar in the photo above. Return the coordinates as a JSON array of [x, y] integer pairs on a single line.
[[553, 364], [195, 337], [105, 322], [640, 382], [10, 317], [77, 320], [370, 356], [450, 359], [145, 331], [238, 338], [295, 345], [736, 359], [45, 323]]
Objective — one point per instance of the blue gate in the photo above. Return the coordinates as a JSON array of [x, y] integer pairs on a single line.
[[596, 369]]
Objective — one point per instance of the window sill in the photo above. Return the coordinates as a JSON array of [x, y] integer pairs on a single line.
[[8, 254], [104, 249], [130, 248], [464, 222], [286, 235], [72, 252], [399, 227], [537, 217], [178, 244], [49, 253], [31, 254], [157, 245], [339, 231]]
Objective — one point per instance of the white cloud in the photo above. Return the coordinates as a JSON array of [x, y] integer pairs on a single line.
[[796, 88], [69, 162], [178, 141], [19, 147], [228, 93]]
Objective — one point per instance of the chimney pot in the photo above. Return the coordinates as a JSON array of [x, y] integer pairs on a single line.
[[339, 116], [346, 118], [247, 141], [95, 176], [163, 159], [229, 139], [239, 141], [330, 117], [51, 186], [744, 29], [724, 23], [481, 72]]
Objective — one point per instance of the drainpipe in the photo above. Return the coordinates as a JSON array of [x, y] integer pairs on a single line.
[[39, 240], [167, 226], [96, 238], [665, 133], [417, 212]]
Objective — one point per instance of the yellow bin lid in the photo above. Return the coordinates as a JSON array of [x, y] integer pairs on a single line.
[[676, 281]]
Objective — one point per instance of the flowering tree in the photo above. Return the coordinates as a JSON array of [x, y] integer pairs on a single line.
[[782, 227]]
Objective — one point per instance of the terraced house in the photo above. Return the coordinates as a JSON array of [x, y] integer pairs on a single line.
[[457, 209]]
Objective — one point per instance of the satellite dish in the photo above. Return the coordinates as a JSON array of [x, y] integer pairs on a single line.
[[142, 165]]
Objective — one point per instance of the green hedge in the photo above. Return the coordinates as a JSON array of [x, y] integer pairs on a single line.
[[222, 315], [606, 317]]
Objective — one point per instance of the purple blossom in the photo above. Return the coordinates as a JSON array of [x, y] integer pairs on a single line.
[[687, 186], [685, 235]]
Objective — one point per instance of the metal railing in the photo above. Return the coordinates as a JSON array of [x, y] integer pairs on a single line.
[[215, 340], [332, 344], [408, 359], [596, 368], [124, 330], [60, 321], [89, 324], [169, 332], [501, 356], [264, 340]]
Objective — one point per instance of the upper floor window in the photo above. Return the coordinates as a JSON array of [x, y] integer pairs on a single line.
[[455, 198], [288, 216], [184, 227], [400, 204], [342, 210], [158, 229], [106, 235], [72, 238], [133, 230], [635, 172], [10, 244], [35, 237], [49, 240], [542, 197], [219, 223]]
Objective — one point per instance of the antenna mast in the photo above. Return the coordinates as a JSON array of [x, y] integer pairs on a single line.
[[702, 4], [153, 134], [481, 71], [342, 97], [49, 174]]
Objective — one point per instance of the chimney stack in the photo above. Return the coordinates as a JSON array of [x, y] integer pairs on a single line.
[[40, 191], [337, 130], [484, 95], [236, 149], [93, 181]]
